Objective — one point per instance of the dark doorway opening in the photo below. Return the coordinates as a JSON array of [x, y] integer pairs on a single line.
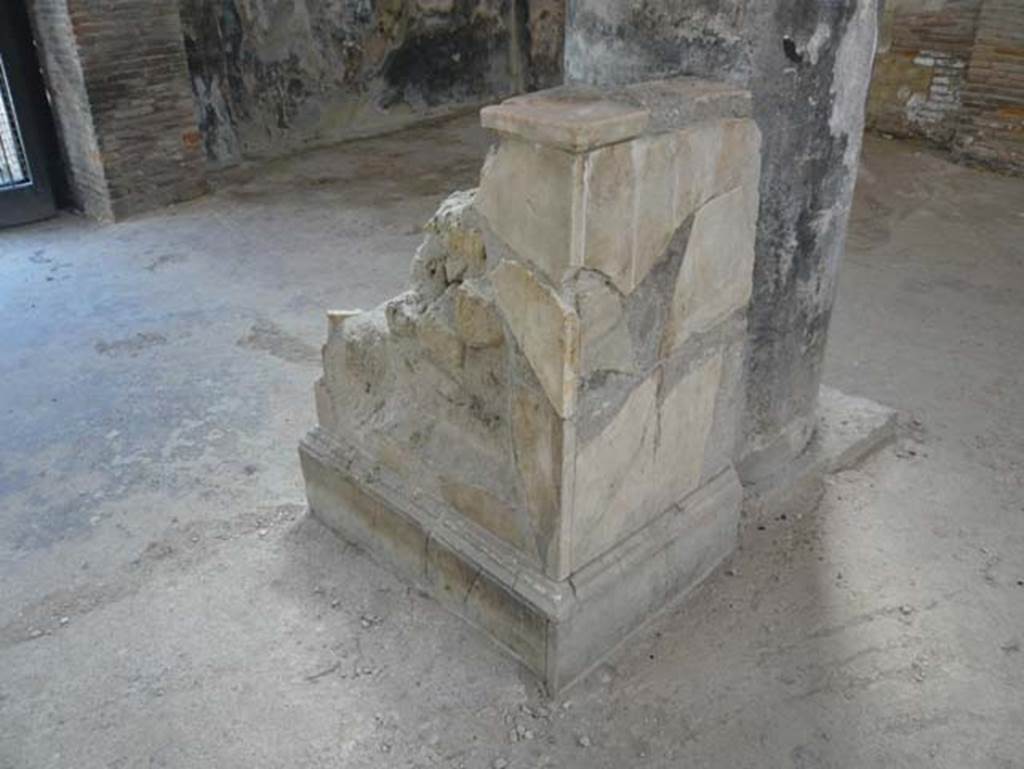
[[30, 168]]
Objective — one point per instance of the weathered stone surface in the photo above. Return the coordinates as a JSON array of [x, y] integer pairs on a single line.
[[684, 426], [614, 208], [336, 319], [456, 225], [605, 342], [362, 517], [612, 471], [619, 591], [435, 330], [566, 119], [325, 414], [540, 445], [476, 317], [715, 277], [401, 313], [659, 173], [671, 104], [639, 193], [695, 164], [609, 232], [723, 437], [648, 457], [427, 273], [357, 366], [546, 329], [484, 509], [527, 194], [488, 604]]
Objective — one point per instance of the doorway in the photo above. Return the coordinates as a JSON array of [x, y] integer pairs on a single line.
[[29, 156]]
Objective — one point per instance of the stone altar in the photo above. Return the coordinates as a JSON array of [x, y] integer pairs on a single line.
[[541, 431]]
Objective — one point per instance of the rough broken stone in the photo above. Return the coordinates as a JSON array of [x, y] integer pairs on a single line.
[[456, 225], [476, 317], [435, 330], [401, 313]]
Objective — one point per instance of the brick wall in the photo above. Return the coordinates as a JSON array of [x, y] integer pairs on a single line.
[[55, 40], [992, 130], [123, 103], [952, 72], [917, 87]]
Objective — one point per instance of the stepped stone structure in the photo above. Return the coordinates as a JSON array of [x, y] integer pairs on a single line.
[[541, 431]]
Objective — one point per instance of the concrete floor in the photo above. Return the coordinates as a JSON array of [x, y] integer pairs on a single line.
[[165, 601]]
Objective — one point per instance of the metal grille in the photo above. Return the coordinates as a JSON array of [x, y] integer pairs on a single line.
[[13, 166]]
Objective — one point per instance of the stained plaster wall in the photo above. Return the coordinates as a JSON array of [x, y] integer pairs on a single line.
[[272, 76]]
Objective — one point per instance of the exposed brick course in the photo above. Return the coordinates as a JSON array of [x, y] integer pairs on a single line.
[[992, 132], [120, 90], [954, 75], [919, 71]]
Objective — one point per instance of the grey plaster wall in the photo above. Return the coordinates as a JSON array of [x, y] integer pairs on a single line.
[[271, 76], [808, 64]]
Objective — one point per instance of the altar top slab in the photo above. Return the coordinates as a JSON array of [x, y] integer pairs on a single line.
[[580, 118]]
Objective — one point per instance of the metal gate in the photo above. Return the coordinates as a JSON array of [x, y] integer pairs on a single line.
[[14, 170], [28, 151]]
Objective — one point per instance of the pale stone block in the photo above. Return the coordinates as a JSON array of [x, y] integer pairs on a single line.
[[346, 506], [528, 194], [684, 425], [713, 158], [638, 193], [657, 217], [646, 459], [605, 343], [482, 600], [538, 437], [697, 159], [716, 275], [739, 159], [476, 317], [487, 511], [546, 329], [609, 203], [612, 471]]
